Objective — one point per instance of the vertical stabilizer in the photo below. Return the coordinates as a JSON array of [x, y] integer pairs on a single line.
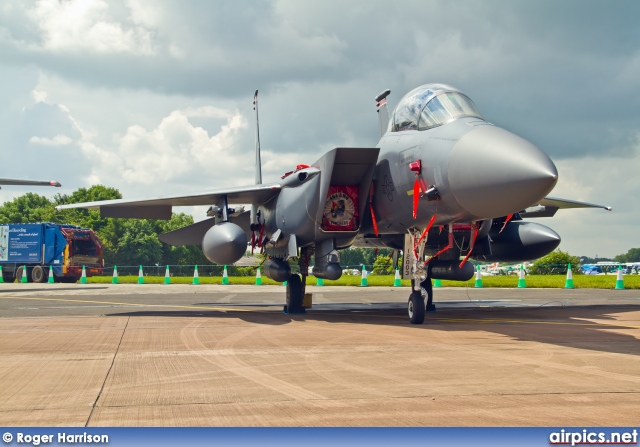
[[258, 161], [383, 111], [254, 218]]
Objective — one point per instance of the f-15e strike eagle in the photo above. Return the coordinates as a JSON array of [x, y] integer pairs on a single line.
[[442, 185]]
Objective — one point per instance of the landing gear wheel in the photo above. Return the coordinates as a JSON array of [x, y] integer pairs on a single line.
[[295, 295], [37, 274], [19, 274], [415, 308]]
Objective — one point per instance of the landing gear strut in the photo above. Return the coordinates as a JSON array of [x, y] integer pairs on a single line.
[[427, 287]]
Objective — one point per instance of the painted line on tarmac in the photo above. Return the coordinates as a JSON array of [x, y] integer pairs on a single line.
[[83, 307], [171, 306]]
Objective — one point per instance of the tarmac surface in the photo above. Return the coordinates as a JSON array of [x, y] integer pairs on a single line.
[[206, 355]]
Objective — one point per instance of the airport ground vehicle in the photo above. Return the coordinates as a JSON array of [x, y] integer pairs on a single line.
[[41, 246]]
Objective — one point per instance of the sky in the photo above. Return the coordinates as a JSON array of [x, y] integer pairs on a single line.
[[154, 97]]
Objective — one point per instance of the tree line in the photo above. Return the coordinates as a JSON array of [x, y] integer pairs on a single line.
[[124, 241]]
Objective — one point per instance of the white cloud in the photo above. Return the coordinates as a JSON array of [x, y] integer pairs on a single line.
[[39, 96], [58, 140], [84, 26], [146, 14], [174, 151]]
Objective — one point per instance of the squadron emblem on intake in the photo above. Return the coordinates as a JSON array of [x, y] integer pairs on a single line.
[[340, 209]]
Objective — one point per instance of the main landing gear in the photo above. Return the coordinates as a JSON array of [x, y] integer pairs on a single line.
[[295, 294], [416, 307]]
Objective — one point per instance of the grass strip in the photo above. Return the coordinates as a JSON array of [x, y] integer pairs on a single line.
[[533, 281]]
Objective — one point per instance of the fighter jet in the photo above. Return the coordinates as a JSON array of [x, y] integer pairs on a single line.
[[443, 185], [18, 182]]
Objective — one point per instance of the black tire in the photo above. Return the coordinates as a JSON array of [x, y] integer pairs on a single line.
[[294, 294], [19, 274], [38, 275], [415, 308], [8, 278]]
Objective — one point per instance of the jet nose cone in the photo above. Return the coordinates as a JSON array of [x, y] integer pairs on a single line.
[[493, 172]]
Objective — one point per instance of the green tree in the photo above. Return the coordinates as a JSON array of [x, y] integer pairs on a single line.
[[139, 244], [116, 234], [179, 255], [86, 218], [383, 265], [555, 263], [351, 257], [633, 255], [356, 256], [28, 208]]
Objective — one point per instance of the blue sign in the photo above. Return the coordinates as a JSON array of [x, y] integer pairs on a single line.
[[25, 243]]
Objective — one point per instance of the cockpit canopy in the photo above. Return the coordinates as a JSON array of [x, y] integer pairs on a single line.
[[429, 106]]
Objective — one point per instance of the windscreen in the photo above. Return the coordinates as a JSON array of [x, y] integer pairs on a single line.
[[444, 108]]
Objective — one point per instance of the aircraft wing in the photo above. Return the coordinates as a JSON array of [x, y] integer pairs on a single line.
[[160, 207], [10, 181], [549, 205]]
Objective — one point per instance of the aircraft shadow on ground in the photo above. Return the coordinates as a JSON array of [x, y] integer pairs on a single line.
[[594, 328]]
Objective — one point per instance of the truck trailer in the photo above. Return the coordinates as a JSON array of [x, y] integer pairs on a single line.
[[39, 247]]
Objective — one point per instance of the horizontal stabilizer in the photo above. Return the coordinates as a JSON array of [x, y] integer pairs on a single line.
[[189, 235], [193, 234], [549, 205]]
